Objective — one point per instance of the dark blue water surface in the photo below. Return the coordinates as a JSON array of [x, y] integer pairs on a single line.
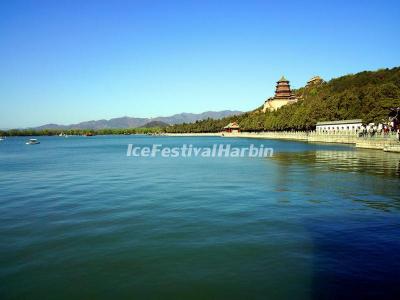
[[81, 220]]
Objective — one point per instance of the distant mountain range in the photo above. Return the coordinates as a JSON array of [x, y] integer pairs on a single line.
[[130, 122], [153, 124]]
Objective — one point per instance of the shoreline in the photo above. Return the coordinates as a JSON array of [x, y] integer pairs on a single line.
[[383, 144]]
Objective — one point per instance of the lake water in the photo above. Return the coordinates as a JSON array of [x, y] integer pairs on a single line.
[[81, 220]]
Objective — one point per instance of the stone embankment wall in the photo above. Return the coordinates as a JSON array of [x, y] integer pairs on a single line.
[[386, 143]]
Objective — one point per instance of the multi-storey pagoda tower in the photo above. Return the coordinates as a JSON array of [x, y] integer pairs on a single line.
[[283, 89], [283, 96]]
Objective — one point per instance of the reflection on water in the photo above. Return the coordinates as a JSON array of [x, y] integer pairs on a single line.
[[360, 161], [353, 218], [366, 177]]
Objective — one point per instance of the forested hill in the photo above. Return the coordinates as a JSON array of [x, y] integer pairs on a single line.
[[367, 95]]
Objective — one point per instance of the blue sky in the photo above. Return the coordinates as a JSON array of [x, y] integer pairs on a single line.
[[70, 61]]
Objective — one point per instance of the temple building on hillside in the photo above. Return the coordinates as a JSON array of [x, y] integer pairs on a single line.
[[283, 96], [314, 81], [232, 127]]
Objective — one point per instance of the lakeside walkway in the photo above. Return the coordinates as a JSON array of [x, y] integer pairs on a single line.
[[387, 143]]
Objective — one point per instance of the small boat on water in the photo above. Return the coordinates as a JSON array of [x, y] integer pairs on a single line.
[[2, 138], [32, 142]]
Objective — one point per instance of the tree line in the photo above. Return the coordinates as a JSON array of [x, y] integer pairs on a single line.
[[106, 131]]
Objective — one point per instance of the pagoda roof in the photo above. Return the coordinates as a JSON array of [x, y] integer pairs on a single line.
[[232, 125], [283, 79]]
